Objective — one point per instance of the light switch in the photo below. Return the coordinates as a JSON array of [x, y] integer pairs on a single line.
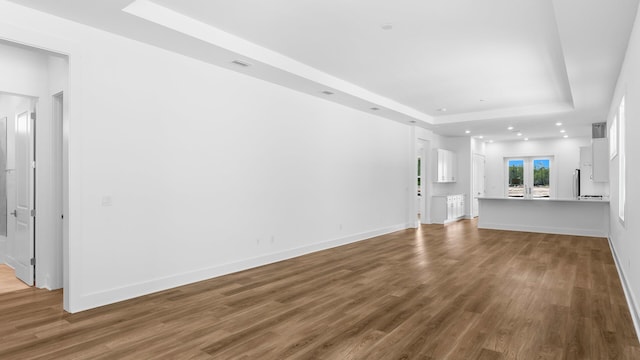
[[107, 201]]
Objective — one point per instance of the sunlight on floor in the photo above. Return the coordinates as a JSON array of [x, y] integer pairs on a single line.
[[8, 280]]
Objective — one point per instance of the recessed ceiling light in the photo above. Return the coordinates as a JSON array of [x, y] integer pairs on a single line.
[[375, 108], [558, 124], [562, 130], [467, 131], [566, 136], [241, 63], [442, 109], [510, 128], [526, 139], [386, 26], [327, 92], [480, 137], [519, 134], [491, 141]]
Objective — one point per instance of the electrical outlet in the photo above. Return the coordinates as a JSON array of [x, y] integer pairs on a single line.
[[257, 241]]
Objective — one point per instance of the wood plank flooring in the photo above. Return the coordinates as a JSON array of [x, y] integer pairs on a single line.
[[8, 280], [440, 292]]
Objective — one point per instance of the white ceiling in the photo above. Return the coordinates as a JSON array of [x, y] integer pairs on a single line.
[[491, 63]]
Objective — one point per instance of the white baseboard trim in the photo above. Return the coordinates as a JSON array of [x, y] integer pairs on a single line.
[[631, 300], [542, 229], [101, 298]]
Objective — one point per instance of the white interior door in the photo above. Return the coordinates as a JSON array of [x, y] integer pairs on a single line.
[[420, 184], [25, 170], [478, 182]]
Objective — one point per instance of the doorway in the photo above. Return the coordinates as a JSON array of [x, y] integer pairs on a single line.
[[35, 178], [423, 190], [478, 183], [420, 185], [529, 177]]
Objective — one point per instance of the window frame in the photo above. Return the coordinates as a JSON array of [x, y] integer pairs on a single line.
[[613, 137], [622, 160]]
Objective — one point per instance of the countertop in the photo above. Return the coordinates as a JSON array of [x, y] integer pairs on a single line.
[[604, 200]]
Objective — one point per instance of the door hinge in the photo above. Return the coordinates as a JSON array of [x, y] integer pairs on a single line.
[[33, 262], [33, 212], [33, 164], [33, 115]]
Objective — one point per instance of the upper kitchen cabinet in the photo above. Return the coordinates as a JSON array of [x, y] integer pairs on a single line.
[[446, 166], [600, 160], [594, 162]]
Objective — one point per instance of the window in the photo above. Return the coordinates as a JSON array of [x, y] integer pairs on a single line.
[[541, 179], [613, 138], [529, 177], [516, 178], [622, 175]]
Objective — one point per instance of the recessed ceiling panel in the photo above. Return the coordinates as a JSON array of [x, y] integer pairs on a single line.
[[491, 64], [463, 55]]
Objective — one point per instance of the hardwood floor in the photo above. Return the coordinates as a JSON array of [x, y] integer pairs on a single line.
[[442, 292], [8, 281]]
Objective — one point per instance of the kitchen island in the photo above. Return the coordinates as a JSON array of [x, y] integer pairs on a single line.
[[583, 217]]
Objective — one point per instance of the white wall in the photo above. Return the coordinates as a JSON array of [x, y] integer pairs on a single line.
[[566, 154], [478, 146], [180, 171], [625, 237], [23, 71]]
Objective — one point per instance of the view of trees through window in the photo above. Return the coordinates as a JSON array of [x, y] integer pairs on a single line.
[[516, 178], [541, 178], [529, 173]]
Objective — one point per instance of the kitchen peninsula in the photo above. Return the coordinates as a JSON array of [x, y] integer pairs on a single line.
[[568, 216]]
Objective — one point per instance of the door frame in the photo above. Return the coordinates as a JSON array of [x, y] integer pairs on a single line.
[[58, 175], [71, 230], [50, 229]]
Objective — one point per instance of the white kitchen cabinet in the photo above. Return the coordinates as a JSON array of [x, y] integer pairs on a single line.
[[445, 166], [600, 160], [447, 208]]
